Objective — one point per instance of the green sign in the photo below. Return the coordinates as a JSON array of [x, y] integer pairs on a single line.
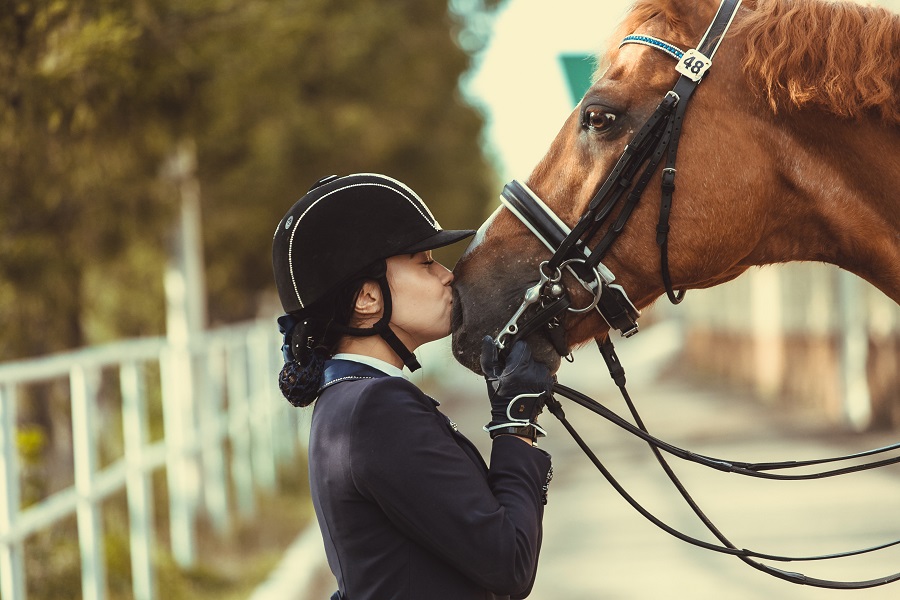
[[579, 69]]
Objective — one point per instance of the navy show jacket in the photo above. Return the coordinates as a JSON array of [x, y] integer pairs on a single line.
[[407, 507]]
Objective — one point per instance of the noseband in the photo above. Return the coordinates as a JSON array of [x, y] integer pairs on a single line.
[[657, 138]]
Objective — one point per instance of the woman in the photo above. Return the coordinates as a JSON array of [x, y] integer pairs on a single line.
[[406, 505]]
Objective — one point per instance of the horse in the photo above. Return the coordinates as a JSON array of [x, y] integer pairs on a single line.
[[790, 151]]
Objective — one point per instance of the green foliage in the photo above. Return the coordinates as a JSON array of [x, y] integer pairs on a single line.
[[77, 182], [334, 87], [30, 441], [95, 95]]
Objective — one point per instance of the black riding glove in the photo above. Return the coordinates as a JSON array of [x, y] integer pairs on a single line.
[[517, 389]]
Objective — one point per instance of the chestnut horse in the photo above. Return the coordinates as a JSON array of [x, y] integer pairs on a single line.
[[790, 152]]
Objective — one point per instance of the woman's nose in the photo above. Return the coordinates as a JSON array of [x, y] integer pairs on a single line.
[[446, 275]]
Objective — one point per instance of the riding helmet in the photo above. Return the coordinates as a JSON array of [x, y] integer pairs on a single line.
[[342, 226]]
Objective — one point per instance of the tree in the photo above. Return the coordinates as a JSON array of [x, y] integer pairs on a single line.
[[74, 193], [336, 87], [97, 93]]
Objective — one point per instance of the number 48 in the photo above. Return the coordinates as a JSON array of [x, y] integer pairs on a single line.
[[693, 65]]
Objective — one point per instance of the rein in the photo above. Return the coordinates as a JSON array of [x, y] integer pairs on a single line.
[[657, 139], [748, 469]]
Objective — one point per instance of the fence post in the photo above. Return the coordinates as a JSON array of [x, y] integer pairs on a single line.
[[90, 523], [263, 455], [766, 305], [185, 320], [138, 483], [854, 350], [213, 424], [181, 475], [12, 567], [283, 430], [239, 428]]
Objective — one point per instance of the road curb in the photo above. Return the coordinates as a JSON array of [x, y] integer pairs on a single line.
[[297, 573]]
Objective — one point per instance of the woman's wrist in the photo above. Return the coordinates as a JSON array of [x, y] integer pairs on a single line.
[[525, 439]]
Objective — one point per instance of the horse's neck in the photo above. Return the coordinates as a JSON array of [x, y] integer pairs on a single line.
[[843, 202]]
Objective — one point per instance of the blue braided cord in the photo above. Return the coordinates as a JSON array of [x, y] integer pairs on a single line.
[[653, 42]]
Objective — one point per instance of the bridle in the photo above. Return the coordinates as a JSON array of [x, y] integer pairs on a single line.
[[657, 138]]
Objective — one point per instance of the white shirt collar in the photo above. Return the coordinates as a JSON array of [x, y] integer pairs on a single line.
[[376, 363]]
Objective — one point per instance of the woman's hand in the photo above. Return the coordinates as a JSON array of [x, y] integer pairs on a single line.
[[517, 390]]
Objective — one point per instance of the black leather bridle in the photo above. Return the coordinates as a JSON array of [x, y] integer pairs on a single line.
[[658, 138]]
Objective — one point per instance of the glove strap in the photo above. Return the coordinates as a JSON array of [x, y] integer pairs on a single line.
[[517, 426], [531, 431]]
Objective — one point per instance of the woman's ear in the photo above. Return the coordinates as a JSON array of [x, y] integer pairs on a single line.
[[369, 303]]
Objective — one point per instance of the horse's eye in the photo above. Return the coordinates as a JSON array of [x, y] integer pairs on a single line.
[[596, 118]]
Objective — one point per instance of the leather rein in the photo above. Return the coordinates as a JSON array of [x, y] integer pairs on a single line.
[[658, 138]]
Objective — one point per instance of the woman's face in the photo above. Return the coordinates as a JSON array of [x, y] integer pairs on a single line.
[[421, 298]]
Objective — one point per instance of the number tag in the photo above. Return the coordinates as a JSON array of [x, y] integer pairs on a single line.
[[693, 65]]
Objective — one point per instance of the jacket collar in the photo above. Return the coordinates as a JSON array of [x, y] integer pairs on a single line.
[[337, 370], [371, 361]]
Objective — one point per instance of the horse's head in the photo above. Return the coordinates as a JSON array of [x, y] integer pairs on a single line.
[[719, 138]]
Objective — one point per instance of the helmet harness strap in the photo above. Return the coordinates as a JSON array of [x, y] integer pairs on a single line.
[[383, 327]]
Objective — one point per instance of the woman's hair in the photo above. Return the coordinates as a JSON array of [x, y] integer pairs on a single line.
[[315, 336]]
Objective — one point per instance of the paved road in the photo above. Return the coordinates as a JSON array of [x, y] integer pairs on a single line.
[[597, 547]]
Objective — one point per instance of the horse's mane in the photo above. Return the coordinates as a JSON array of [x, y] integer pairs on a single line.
[[837, 56]]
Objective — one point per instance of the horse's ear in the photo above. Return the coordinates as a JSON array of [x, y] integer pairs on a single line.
[[689, 18]]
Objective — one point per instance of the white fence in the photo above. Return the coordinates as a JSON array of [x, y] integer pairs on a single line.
[[219, 399], [804, 333]]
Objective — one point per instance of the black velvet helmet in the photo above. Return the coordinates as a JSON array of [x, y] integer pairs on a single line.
[[342, 226], [342, 229]]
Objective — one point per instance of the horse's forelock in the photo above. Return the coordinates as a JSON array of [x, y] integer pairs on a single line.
[[839, 56]]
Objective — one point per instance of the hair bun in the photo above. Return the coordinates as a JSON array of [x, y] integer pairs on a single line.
[[300, 383]]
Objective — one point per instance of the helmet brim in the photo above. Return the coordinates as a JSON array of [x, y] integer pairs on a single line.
[[442, 238]]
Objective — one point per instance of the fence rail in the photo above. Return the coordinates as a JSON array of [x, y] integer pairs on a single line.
[[222, 431]]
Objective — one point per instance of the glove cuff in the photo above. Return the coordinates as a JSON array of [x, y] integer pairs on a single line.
[[531, 431]]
